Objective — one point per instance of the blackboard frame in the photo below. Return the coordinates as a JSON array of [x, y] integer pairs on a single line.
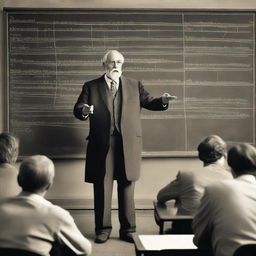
[[9, 11]]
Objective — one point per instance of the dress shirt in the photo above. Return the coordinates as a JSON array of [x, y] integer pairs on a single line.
[[188, 187], [8, 181], [108, 81], [30, 222], [225, 219], [247, 178]]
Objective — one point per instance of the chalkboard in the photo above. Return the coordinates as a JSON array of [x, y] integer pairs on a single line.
[[206, 58]]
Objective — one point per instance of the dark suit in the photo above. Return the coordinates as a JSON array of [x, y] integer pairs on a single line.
[[114, 144]]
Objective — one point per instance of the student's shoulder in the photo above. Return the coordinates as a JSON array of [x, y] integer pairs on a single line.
[[60, 213], [190, 171], [8, 168], [222, 186]]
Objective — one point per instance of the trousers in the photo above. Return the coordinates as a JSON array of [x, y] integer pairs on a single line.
[[115, 170]]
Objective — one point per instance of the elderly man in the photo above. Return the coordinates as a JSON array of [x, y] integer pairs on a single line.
[[31, 223], [113, 104], [226, 217], [188, 187]]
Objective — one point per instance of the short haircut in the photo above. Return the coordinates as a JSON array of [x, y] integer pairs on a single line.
[[36, 173], [242, 159], [105, 57], [9, 148], [211, 149]]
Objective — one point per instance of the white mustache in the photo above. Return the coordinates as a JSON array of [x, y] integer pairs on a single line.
[[113, 70]]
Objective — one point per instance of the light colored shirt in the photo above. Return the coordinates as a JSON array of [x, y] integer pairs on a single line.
[[30, 222], [8, 181], [108, 81], [188, 187], [226, 219]]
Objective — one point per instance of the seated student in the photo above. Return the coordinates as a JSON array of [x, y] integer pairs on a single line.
[[226, 218], [188, 187], [9, 147], [30, 222]]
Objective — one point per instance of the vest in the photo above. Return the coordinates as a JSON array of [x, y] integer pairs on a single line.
[[115, 109]]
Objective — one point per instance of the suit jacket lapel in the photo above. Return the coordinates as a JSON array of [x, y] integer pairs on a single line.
[[102, 87], [125, 92]]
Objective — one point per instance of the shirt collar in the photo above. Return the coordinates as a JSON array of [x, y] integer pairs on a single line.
[[108, 81], [34, 197], [247, 177]]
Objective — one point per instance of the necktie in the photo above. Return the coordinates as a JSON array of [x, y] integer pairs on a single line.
[[113, 87]]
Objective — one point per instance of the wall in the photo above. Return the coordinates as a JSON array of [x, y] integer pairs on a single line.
[[69, 190]]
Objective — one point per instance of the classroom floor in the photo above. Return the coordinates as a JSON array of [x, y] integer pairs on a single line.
[[114, 247]]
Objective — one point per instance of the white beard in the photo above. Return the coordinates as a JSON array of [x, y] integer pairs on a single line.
[[114, 75]]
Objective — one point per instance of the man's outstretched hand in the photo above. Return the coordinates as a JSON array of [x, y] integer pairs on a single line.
[[166, 97]]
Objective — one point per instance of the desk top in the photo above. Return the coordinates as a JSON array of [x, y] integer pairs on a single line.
[[163, 242]]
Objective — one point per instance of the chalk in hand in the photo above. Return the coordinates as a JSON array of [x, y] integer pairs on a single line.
[[91, 109], [170, 97]]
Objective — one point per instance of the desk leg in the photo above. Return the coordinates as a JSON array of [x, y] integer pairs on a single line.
[[138, 253], [161, 229]]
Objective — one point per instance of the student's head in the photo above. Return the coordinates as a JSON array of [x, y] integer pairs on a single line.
[[112, 63], [242, 159], [211, 149], [9, 148], [36, 174]]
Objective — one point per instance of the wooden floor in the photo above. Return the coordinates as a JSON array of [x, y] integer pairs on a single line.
[[114, 247]]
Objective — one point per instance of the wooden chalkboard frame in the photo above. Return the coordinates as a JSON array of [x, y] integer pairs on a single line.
[[152, 153]]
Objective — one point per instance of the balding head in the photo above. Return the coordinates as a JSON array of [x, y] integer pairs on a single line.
[[109, 54], [36, 174]]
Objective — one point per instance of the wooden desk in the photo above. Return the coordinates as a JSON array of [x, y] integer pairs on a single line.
[[167, 245], [167, 212]]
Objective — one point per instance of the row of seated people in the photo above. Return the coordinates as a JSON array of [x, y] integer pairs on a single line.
[[220, 197], [29, 224], [223, 208]]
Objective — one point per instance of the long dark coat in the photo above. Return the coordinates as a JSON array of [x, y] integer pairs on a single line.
[[134, 97]]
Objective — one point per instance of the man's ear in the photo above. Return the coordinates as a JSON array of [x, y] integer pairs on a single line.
[[48, 186]]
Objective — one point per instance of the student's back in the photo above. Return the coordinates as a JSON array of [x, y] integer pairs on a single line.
[[9, 146], [8, 181], [29, 222], [226, 217], [188, 187], [193, 183], [230, 207]]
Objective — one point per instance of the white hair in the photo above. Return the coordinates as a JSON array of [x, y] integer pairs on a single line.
[[105, 57]]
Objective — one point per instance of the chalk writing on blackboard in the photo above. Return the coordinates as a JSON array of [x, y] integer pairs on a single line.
[[207, 59]]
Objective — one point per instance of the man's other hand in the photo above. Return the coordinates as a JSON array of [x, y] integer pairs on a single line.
[[86, 110], [166, 97]]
